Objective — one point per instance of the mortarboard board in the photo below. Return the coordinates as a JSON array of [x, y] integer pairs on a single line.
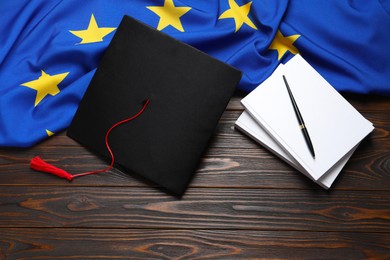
[[188, 92]]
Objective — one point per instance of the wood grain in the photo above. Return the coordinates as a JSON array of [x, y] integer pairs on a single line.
[[16, 243], [251, 209], [252, 168], [243, 203], [232, 160]]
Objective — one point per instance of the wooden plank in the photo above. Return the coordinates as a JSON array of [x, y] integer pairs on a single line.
[[249, 209], [367, 169], [18, 243], [247, 168], [232, 160]]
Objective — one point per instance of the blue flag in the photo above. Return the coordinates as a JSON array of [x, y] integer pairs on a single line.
[[49, 49], [346, 41]]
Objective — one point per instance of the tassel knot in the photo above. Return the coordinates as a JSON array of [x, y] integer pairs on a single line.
[[40, 165]]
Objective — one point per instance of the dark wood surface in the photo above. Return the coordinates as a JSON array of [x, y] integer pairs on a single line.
[[243, 203]]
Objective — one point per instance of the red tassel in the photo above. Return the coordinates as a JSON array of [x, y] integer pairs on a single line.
[[40, 165]]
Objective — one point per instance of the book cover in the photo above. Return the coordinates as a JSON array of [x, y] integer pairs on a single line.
[[334, 125], [249, 126]]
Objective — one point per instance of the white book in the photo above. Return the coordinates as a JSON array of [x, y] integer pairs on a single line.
[[249, 126], [334, 126]]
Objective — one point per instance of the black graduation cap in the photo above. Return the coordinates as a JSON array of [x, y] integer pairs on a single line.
[[187, 91]]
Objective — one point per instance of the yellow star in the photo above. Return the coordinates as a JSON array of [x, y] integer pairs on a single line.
[[283, 44], [45, 85], [239, 14], [93, 33], [169, 15], [49, 133]]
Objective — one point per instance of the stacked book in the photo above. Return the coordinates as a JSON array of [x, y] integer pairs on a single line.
[[332, 127]]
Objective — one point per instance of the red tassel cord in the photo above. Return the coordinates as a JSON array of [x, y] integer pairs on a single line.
[[40, 165]]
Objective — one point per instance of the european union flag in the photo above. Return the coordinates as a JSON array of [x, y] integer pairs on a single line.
[[346, 41], [49, 49]]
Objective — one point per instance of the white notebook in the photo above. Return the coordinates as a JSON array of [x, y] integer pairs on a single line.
[[334, 126], [250, 127]]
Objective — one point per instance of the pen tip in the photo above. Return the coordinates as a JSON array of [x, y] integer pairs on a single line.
[[312, 152]]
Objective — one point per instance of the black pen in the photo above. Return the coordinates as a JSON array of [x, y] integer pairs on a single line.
[[300, 119]]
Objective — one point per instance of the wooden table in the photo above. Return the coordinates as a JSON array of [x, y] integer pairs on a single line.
[[243, 203]]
